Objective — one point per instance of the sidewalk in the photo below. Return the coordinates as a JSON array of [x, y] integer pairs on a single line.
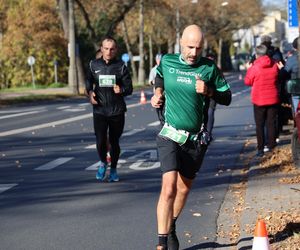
[[47, 91], [31, 95], [266, 188]]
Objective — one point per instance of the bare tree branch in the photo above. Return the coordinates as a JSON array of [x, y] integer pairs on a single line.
[[121, 17], [87, 20]]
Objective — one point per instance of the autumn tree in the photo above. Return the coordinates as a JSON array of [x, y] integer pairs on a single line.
[[40, 28], [158, 29], [95, 19], [33, 28]]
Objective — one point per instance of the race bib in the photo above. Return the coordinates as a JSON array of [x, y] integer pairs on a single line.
[[177, 135], [107, 80]]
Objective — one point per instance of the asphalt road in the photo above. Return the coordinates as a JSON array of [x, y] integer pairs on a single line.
[[50, 199]]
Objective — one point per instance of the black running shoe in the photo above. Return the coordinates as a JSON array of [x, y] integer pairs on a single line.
[[173, 243]]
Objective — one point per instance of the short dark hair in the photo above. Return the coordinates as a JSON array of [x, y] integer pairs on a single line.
[[266, 39], [109, 38], [261, 50], [295, 43]]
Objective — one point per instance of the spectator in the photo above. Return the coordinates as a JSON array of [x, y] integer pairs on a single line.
[[272, 52], [291, 69], [262, 76], [152, 74]]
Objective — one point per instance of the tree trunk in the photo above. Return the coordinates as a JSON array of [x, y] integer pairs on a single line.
[[80, 73], [63, 8], [170, 46], [219, 63], [226, 59], [141, 77], [73, 83], [1, 39], [64, 16], [150, 53], [128, 47]]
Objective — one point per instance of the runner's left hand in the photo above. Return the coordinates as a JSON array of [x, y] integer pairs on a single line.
[[117, 89], [201, 87]]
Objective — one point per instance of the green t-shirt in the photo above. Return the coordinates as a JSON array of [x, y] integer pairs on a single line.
[[183, 106]]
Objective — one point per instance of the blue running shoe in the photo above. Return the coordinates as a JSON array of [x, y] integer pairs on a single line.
[[101, 171], [113, 176]]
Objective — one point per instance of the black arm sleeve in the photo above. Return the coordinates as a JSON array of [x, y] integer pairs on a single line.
[[223, 98], [159, 82]]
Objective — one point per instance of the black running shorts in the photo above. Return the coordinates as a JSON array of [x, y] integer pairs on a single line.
[[185, 159]]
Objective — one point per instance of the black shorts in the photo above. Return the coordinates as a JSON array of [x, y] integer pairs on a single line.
[[185, 159]]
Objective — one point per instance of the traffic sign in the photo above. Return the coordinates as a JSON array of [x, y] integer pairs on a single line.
[[292, 13], [31, 60], [125, 57]]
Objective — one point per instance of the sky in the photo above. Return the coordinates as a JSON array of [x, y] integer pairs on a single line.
[[281, 3]]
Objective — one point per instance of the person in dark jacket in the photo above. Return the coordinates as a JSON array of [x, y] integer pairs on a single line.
[[262, 76], [107, 83], [291, 69], [272, 51]]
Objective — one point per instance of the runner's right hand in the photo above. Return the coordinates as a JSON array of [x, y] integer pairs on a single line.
[[157, 101], [92, 98]]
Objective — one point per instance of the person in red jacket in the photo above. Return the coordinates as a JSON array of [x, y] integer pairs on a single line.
[[262, 76]]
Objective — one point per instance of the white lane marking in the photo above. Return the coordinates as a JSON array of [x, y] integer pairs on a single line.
[[21, 110], [136, 104], [54, 164], [45, 125], [121, 161], [74, 109], [152, 153], [134, 131], [21, 114], [95, 165], [146, 155], [240, 92], [153, 124], [4, 187], [134, 166], [84, 104], [55, 123], [63, 107], [137, 165]]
